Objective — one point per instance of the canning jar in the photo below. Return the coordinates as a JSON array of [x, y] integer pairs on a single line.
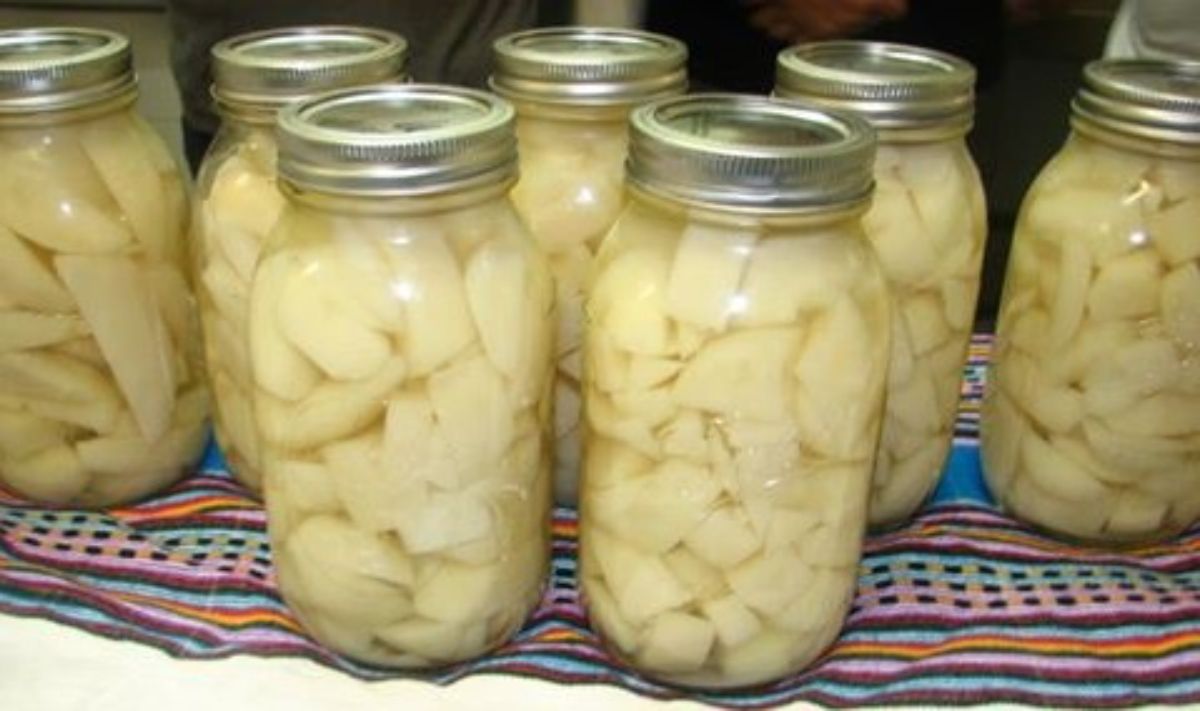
[[101, 395], [401, 341], [237, 201], [927, 223], [1091, 424], [573, 89], [736, 357]]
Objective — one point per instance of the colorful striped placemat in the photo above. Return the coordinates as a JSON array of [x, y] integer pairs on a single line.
[[962, 606]]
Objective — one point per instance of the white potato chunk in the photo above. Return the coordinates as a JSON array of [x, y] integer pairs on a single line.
[[684, 437], [164, 460], [649, 372], [26, 280], [54, 474], [304, 488], [23, 434], [927, 327], [118, 306], [60, 388], [700, 579], [791, 274], [1126, 287], [430, 639], [604, 417], [707, 272], [606, 617], [1052, 471], [243, 197], [641, 583], [408, 436], [120, 157], [461, 594], [1092, 344], [46, 214], [1058, 409], [609, 464], [236, 416], [1072, 518], [767, 583], [475, 415], [315, 315], [958, 302], [20, 330], [1086, 216], [1070, 292], [676, 642], [356, 578], [837, 398], [652, 406], [658, 509], [1181, 304], [369, 492], [908, 483], [174, 299], [894, 228], [741, 374], [441, 521], [508, 299], [333, 410], [429, 282], [1002, 431], [914, 405], [280, 368], [733, 622], [1129, 372], [1173, 231], [567, 194], [1133, 458], [628, 301], [1163, 415]]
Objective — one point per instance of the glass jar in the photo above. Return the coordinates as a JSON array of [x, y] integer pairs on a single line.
[[736, 357], [927, 223], [101, 400], [573, 89], [237, 202], [1091, 424], [401, 338]]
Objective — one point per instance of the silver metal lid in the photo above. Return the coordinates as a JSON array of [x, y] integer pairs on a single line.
[[897, 88], [1142, 98], [398, 139], [56, 68], [270, 69], [591, 66], [737, 151]]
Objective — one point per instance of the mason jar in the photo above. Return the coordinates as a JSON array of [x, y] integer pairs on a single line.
[[1091, 424], [101, 394], [736, 358], [237, 201], [928, 225], [573, 89], [401, 340]]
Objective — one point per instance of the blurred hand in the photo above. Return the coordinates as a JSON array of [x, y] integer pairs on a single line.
[[805, 20]]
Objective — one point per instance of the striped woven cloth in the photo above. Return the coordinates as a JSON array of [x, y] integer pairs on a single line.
[[962, 606]]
